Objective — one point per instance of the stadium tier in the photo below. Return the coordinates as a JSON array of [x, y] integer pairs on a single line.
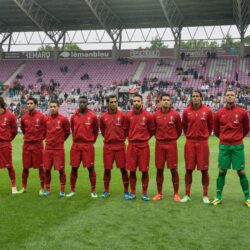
[[91, 76]]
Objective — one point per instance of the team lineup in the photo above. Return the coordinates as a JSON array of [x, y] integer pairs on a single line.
[[230, 124]]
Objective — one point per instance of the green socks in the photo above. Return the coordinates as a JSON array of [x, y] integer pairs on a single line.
[[220, 184], [244, 184]]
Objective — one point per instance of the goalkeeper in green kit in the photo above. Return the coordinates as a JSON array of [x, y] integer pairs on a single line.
[[231, 125]]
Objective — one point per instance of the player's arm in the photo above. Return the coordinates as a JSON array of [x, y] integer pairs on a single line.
[[102, 126], [216, 125], [45, 127], [126, 125], [178, 126], [66, 128], [210, 121], [95, 127], [184, 122], [245, 124], [13, 126], [72, 124], [151, 125], [22, 125]]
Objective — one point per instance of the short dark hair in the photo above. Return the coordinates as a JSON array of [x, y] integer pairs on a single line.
[[83, 97], [32, 99], [55, 101], [165, 94], [110, 97], [197, 91], [229, 90], [2, 102], [138, 95]]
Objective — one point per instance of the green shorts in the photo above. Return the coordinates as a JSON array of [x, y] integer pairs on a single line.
[[231, 155]]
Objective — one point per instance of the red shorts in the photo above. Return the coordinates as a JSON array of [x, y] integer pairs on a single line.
[[114, 152], [138, 155], [196, 154], [82, 152], [54, 157], [166, 152], [6, 156], [32, 155]]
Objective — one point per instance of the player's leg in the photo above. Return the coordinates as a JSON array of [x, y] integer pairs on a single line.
[[238, 163], [27, 160], [224, 163], [160, 159], [62, 177], [73, 179], [132, 182], [125, 181], [175, 181], [220, 182], [188, 183], [244, 184], [108, 159], [172, 163], [205, 184], [12, 175], [190, 163], [6, 162], [202, 150], [92, 178], [75, 160], [48, 163], [25, 175], [120, 159], [47, 180], [41, 177], [88, 159], [131, 165], [143, 160]]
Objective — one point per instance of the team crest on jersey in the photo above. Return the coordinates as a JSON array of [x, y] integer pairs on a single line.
[[37, 123], [236, 121], [118, 122], [171, 122], [58, 124], [88, 121], [4, 121], [203, 116], [144, 119]]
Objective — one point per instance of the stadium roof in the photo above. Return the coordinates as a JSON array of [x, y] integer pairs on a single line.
[[77, 15]]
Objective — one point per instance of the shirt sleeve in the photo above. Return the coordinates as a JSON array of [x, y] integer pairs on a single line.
[[22, 125], [245, 124], [216, 126], [95, 127], [184, 122], [210, 122], [151, 125], [66, 127], [178, 125], [13, 126], [72, 124], [102, 126]]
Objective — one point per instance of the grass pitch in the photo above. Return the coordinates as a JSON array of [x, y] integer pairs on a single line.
[[31, 222]]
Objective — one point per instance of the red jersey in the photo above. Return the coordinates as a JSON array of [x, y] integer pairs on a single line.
[[32, 125], [84, 126], [114, 127], [8, 127], [57, 130], [141, 126], [168, 125], [231, 125], [197, 124]]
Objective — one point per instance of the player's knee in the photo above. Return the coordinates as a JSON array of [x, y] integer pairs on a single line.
[[222, 172], [241, 172]]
